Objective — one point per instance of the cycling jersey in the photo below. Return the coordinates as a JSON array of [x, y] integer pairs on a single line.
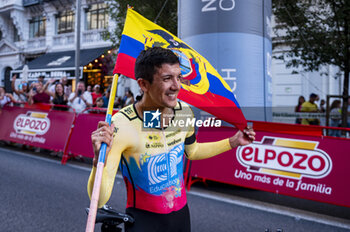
[[152, 160]]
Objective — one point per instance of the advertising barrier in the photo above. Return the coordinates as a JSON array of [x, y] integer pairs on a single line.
[[83, 126], [310, 167], [36, 126], [293, 160]]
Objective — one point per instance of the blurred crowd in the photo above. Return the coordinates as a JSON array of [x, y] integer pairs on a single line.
[[334, 112], [59, 94]]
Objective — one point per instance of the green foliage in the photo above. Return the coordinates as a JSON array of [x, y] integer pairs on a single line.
[[317, 33], [150, 9], [315, 30]]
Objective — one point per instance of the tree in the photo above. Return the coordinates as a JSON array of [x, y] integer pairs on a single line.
[[318, 34], [163, 13]]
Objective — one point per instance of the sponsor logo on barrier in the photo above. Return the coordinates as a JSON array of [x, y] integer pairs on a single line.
[[285, 157], [32, 123]]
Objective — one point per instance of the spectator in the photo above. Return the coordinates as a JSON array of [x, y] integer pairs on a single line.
[[106, 97], [348, 111], [335, 115], [96, 93], [58, 97], [99, 107], [67, 87], [138, 97], [41, 79], [129, 98], [311, 107], [20, 94], [64, 82], [99, 102], [322, 110], [80, 99], [5, 97], [301, 100], [118, 103], [37, 94], [88, 88], [322, 104]]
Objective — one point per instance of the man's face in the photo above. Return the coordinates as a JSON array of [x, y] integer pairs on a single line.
[[39, 86], [165, 86], [81, 87], [64, 80], [99, 103], [24, 87]]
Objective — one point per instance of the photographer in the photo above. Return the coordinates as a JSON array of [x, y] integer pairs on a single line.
[[80, 99]]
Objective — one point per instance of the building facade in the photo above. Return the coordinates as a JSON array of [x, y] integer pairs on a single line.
[[31, 28], [288, 84]]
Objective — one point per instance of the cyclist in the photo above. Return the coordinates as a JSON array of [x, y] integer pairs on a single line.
[[152, 159]]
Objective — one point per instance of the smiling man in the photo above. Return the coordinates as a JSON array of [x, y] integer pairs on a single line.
[[152, 158]]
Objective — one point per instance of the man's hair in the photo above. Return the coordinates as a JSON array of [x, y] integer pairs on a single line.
[[313, 95], [151, 59]]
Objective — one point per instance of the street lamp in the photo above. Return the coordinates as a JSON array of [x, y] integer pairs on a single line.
[[77, 42]]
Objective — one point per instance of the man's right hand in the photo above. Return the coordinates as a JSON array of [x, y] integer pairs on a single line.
[[103, 134]]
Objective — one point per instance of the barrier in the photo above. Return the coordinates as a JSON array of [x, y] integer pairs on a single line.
[[39, 127], [293, 160], [306, 166], [80, 139]]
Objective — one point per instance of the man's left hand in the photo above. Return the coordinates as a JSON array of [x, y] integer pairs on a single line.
[[242, 138]]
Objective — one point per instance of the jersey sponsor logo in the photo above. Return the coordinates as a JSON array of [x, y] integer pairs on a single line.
[[286, 157], [175, 141], [32, 123], [163, 166], [128, 111], [172, 134], [151, 119], [154, 145], [153, 137], [164, 170]]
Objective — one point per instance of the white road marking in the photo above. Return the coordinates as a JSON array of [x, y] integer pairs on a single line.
[[297, 214]]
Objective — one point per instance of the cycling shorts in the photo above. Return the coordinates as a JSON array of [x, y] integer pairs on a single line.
[[145, 221]]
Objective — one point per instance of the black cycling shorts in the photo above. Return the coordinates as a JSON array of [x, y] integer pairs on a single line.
[[145, 221]]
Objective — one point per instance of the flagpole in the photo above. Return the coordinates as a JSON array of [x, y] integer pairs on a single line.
[[90, 225]]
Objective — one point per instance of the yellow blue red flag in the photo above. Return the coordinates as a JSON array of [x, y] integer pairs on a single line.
[[202, 86]]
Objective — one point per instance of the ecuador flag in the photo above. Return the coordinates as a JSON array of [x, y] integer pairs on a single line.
[[202, 86]]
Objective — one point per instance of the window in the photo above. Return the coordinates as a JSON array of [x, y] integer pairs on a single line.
[[37, 27], [65, 22], [97, 16]]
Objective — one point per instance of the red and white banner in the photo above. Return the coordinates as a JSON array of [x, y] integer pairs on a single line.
[[36, 127], [309, 167], [80, 140]]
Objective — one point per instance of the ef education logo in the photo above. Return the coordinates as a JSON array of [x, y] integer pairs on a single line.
[[151, 119]]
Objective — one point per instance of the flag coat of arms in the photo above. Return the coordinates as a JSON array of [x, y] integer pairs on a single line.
[[201, 86]]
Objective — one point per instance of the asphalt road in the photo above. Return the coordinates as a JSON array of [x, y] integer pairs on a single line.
[[40, 194]]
